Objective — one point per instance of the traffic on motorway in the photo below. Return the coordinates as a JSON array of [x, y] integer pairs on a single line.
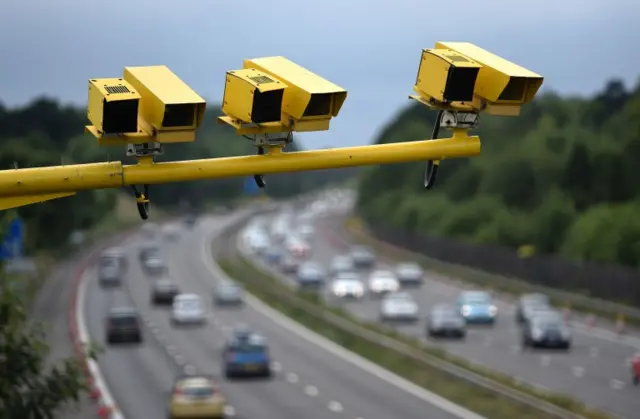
[[181, 340], [529, 339]]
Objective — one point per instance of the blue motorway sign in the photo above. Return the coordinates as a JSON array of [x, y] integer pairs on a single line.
[[11, 246], [251, 187]]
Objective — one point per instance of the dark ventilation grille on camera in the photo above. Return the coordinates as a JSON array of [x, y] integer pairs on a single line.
[[116, 89], [457, 59], [261, 79]]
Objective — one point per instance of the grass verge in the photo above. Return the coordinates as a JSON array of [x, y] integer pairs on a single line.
[[471, 396], [355, 228]]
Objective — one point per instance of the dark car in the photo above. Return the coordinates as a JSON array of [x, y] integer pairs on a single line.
[[247, 355], [123, 325], [362, 257], [273, 255], [163, 292], [528, 303], [229, 295], [446, 321], [546, 330], [311, 275], [289, 265], [109, 273]]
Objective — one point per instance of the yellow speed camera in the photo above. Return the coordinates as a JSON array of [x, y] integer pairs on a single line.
[[113, 106], [308, 101], [446, 76]]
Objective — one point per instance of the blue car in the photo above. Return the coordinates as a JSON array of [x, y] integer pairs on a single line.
[[477, 307], [247, 355], [273, 256]]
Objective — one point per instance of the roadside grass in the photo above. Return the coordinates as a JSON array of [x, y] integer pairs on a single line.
[[483, 401], [580, 303]]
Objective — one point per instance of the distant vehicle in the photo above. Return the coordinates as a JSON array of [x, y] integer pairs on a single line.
[[399, 306], [382, 282], [115, 253], [547, 331], [247, 355], [311, 275], [258, 242], [409, 273], [477, 307], [297, 247], [148, 251], [341, 264], [289, 265], [445, 320], [635, 370], [273, 255], [530, 302], [362, 257], [149, 230], [348, 286], [163, 292], [155, 266], [123, 325], [188, 309], [306, 231], [109, 273], [190, 220], [171, 232], [196, 396], [229, 294]]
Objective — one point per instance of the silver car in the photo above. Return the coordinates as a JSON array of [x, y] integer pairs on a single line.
[[348, 286], [229, 294], [399, 306], [109, 273], [363, 257], [445, 320], [409, 273], [341, 264], [382, 282]]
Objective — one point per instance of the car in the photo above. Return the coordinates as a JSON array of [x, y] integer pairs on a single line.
[[289, 264], [311, 275], [530, 302], [400, 307], [306, 231], [190, 220], [297, 247], [445, 320], [409, 273], [246, 355], [229, 294], [347, 285], [188, 309], [148, 251], [273, 255], [341, 264], [196, 396], [382, 282], [477, 307], [123, 325], [115, 253], [109, 273], [149, 230], [164, 291], [171, 232], [362, 257], [546, 330], [155, 266], [258, 242]]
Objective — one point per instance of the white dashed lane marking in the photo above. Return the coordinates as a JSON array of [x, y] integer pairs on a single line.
[[335, 406], [311, 391], [617, 384], [292, 378], [276, 366], [578, 371]]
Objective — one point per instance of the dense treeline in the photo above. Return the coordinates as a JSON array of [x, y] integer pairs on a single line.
[[563, 177], [46, 133]]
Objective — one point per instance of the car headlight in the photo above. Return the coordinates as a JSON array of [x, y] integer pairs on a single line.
[[537, 333], [466, 310], [493, 310]]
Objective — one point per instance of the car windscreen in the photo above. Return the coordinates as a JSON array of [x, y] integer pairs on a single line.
[[229, 291], [476, 298], [246, 347], [189, 304], [123, 321], [198, 391]]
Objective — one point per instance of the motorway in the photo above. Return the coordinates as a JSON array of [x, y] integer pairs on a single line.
[[311, 381], [596, 370]]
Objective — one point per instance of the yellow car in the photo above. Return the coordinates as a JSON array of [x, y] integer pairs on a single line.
[[196, 397]]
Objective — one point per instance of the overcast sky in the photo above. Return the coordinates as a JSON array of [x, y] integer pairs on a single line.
[[371, 48]]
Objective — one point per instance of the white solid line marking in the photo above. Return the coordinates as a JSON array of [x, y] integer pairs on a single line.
[[594, 352], [229, 411], [311, 391], [189, 369], [545, 360], [335, 406], [171, 349], [578, 371], [617, 384], [276, 366], [292, 378], [179, 359]]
